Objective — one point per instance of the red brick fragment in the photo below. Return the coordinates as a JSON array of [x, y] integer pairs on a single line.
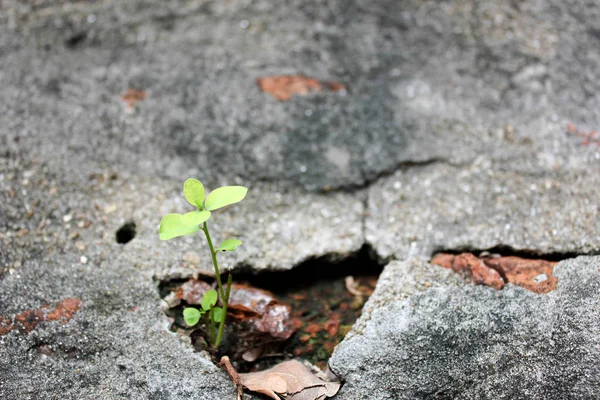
[[443, 260], [332, 325], [588, 138], [312, 329], [531, 274], [64, 310], [283, 87], [29, 319], [481, 273], [132, 96]]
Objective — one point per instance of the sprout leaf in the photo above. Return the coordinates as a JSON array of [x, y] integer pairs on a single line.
[[217, 314], [224, 196], [229, 245], [193, 190], [209, 299], [172, 225], [191, 316], [195, 218]]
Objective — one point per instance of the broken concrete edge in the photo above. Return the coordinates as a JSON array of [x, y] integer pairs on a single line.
[[407, 285], [416, 327]]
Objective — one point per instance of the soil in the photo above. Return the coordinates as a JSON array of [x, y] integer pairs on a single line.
[[325, 297]]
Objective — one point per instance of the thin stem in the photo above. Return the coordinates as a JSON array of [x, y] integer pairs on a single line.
[[214, 260], [212, 324], [222, 294], [224, 315]]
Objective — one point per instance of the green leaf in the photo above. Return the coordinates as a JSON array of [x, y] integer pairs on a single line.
[[229, 245], [191, 316], [224, 196], [209, 299], [193, 190], [195, 218], [217, 314], [172, 226]]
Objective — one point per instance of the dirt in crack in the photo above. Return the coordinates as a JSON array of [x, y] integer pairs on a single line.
[[275, 316]]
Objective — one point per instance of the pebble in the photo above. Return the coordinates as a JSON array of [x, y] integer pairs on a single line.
[[191, 257]]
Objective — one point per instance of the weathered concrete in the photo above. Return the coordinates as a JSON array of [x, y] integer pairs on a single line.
[[425, 333], [452, 133]]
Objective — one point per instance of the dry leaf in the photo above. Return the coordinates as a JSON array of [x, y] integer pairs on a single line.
[[290, 380]]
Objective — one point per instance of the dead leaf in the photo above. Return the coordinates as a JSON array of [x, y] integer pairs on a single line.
[[252, 354], [256, 315], [262, 310], [226, 363], [192, 291], [290, 380]]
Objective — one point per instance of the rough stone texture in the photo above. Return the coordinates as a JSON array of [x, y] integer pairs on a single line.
[[425, 333], [452, 133], [480, 207]]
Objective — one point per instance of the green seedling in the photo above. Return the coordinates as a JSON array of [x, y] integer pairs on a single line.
[[174, 225]]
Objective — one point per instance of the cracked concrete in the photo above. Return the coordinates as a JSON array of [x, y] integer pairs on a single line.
[[453, 133]]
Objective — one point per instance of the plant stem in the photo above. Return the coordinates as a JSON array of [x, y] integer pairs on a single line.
[[214, 260], [222, 294], [224, 314], [212, 324]]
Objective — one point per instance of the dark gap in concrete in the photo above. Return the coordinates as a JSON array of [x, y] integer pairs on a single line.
[[126, 233], [327, 267], [506, 251], [76, 39], [326, 295]]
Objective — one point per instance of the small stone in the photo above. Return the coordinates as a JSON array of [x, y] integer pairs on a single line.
[[22, 232], [80, 245], [74, 235], [83, 259], [67, 218], [191, 257], [111, 208]]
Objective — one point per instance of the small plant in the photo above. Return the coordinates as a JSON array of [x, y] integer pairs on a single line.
[[174, 225]]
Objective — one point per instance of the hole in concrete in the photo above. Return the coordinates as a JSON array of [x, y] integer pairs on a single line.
[[126, 233], [326, 296], [75, 40]]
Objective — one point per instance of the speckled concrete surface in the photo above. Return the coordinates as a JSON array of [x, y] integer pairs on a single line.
[[453, 133]]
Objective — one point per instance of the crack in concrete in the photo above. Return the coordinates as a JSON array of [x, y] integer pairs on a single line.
[[509, 251]]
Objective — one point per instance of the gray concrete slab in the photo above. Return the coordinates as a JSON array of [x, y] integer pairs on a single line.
[[453, 132]]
